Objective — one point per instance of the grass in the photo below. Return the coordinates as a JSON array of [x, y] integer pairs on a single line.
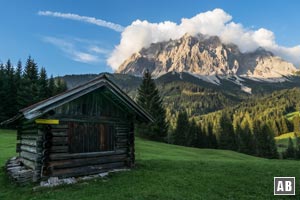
[[166, 172], [282, 144], [282, 141], [285, 136], [290, 116]]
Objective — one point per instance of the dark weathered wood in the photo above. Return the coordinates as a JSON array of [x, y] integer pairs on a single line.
[[28, 136], [87, 170], [121, 129], [124, 134], [59, 140], [18, 148], [121, 137], [132, 146], [106, 120], [40, 132], [18, 172], [36, 175], [46, 144], [62, 156], [28, 126], [59, 126], [29, 163], [29, 149], [30, 156], [19, 134], [59, 133], [29, 142], [121, 146], [86, 161], [59, 149], [121, 140], [30, 131], [45, 160], [46, 152]]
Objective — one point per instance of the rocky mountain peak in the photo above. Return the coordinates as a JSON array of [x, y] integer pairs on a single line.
[[204, 55]]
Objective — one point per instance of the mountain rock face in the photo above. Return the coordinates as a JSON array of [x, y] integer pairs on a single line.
[[203, 55]]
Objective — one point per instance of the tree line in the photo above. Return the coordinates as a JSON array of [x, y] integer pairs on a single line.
[[248, 128], [21, 87], [253, 138]]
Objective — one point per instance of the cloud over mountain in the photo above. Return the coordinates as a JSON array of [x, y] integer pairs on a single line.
[[140, 34]]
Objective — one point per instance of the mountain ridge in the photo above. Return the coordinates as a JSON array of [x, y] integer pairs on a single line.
[[206, 56]]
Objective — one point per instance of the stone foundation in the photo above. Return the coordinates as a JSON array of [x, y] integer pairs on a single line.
[[18, 172]]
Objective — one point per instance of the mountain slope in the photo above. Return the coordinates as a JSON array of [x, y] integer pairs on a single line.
[[203, 55]]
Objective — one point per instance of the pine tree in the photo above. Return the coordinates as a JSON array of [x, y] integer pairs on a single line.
[[18, 74], [203, 141], [273, 153], [265, 142], [51, 86], [227, 138], [182, 127], [10, 101], [290, 151], [31, 70], [274, 127], [296, 122], [24, 93], [212, 140], [245, 139], [149, 98], [43, 84], [199, 140], [18, 81], [29, 90], [297, 149], [284, 127], [2, 93], [192, 134], [60, 86]]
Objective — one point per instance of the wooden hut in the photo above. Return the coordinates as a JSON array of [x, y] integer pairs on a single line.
[[86, 130]]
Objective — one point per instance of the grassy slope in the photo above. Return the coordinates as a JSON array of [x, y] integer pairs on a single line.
[[290, 116], [285, 136], [283, 140], [167, 172]]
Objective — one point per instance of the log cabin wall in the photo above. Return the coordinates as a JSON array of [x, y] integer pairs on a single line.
[[29, 147], [63, 163], [78, 146]]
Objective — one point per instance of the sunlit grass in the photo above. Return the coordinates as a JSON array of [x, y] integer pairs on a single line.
[[165, 171]]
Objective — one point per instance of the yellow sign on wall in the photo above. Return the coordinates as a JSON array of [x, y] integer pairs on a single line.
[[47, 121]]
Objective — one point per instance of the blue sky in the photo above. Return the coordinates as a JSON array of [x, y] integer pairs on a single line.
[[68, 46]]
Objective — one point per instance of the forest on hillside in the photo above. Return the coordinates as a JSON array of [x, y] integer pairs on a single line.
[[248, 126]]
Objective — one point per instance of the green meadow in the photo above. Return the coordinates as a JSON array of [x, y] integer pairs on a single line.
[[165, 171]]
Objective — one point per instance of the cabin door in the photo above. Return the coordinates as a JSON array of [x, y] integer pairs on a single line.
[[91, 137]]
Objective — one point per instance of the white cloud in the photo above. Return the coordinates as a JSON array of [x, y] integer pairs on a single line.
[[91, 20], [97, 49], [85, 57], [73, 51], [216, 22]]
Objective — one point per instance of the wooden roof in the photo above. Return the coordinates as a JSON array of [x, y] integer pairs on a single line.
[[44, 106]]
